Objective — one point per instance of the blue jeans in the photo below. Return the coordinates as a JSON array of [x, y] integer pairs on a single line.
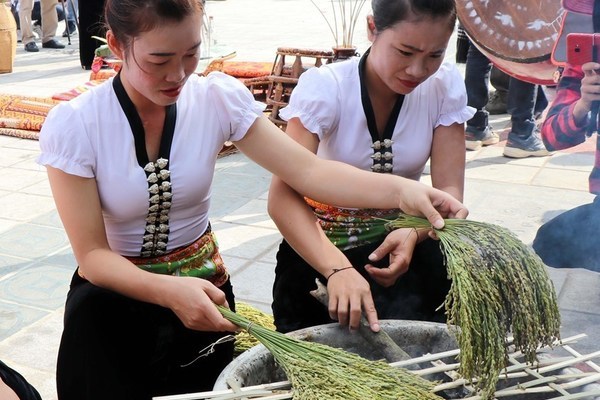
[[71, 14], [524, 99], [477, 78]]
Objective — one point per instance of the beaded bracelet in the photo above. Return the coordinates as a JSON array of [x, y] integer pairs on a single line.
[[336, 270]]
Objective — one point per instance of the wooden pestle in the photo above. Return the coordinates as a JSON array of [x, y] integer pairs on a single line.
[[380, 340]]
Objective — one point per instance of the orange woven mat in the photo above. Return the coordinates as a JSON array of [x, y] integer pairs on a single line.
[[24, 112], [70, 94], [247, 69]]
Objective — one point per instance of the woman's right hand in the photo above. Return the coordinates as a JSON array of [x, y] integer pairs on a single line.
[[350, 296], [193, 301]]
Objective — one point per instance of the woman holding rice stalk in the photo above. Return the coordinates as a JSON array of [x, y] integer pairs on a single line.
[[131, 164], [388, 112]]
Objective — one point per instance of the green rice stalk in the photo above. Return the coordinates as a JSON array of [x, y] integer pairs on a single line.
[[499, 285], [319, 372], [244, 340]]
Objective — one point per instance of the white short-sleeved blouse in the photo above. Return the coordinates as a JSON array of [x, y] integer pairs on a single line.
[[90, 136], [327, 100]]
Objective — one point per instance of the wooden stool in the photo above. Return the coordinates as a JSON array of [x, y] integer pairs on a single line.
[[289, 64]]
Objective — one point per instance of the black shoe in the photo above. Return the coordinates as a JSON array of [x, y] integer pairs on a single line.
[[53, 44], [31, 47], [497, 103], [70, 30]]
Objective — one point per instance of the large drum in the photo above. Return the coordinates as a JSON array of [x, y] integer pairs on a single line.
[[516, 35]]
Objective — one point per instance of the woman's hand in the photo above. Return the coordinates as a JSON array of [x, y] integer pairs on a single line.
[[350, 296], [399, 244], [590, 84], [193, 301], [435, 205], [590, 90]]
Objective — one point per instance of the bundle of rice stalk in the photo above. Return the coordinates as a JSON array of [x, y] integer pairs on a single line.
[[244, 340], [499, 285], [320, 372]]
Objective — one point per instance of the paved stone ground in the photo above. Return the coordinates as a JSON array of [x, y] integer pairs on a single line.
[[36, 262]]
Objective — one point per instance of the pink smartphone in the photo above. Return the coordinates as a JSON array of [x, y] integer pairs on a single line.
[[580, 48]]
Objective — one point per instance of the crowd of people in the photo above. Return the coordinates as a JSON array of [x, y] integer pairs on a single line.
[[133, 190], [40, 18]]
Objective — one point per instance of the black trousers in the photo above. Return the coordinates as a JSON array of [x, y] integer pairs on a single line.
[[415, 296], [114, 347], [91, 17]]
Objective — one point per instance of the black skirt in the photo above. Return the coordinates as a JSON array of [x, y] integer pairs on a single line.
[[114, 347], [417, 295]]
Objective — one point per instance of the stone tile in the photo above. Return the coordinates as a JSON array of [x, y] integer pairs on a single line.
[[235, 264], [64, 259], [244, 241], [234, 184], [575, 323], [558, 277], [15, 317], [23, 144], [291, 32], [42, 188], [563, 179], [571, 161], [23, 207], [38, 363], [254, 283], [41, 286], [252, 213], [579, 282], [222, 204], [41, 339], [6, 224], [10, 265], [32, 241], [50, 218], [264, 196], [500, 172], [30, 164], [17, 179], [11, 156], [270, 257]]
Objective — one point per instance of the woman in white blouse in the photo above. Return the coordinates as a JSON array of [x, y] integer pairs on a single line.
[[389, 112], [131, 165]]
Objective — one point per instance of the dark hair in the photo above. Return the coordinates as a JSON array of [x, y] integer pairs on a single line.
[[387, 13], [128, 18]]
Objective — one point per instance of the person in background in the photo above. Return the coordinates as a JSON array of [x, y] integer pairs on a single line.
[[90, 24], [570, 240], [131, 164], [49, 25], [389, 112], [13, 386], [524, 101], [71, 25]]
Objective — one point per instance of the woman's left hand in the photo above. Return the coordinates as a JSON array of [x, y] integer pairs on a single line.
[[433, 204], [399, 244]]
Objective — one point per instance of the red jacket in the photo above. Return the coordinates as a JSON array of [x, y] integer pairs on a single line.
[[559, 130]]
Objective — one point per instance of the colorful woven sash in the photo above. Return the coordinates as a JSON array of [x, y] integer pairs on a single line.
[[200, 259], [348, 228]]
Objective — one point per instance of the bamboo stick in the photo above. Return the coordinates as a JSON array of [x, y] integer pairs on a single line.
[[518, 370]]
